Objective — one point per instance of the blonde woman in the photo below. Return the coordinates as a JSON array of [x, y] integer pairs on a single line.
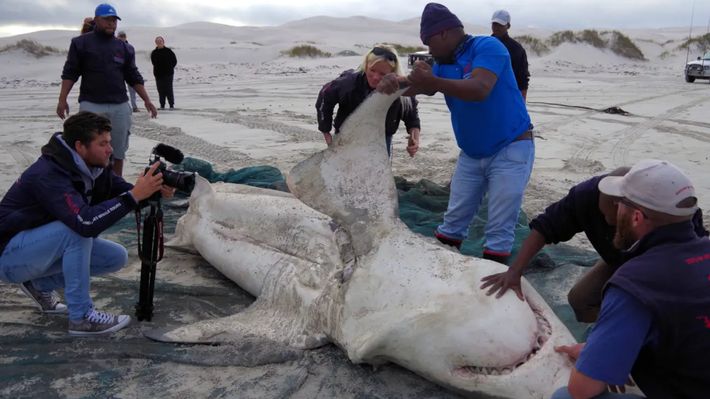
[[351, 88]]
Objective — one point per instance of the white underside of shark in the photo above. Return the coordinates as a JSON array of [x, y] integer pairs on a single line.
[[333, 263]]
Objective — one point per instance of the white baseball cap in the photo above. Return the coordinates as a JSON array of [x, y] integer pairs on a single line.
[[501, 17], [653, 184]]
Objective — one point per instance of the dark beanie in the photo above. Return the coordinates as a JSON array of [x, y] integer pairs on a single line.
[[436, 18]]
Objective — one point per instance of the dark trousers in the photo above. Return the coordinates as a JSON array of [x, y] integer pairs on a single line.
[[165, 89]]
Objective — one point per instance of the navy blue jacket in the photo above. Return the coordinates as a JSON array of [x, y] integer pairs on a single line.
[[579, 212], [669, 273], [518, 59], [52, 189], [349, 91], [105, 65]]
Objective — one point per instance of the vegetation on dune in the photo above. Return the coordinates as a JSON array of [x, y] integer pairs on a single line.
[[533, 44], [615, 41], [404, 50], [699, 43], [31, 47], [306, 50]]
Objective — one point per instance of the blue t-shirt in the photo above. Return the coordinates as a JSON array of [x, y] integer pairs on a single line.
[[623, 327], [483, 128]]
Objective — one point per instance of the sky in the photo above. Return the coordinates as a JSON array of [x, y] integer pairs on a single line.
[[22, 16]]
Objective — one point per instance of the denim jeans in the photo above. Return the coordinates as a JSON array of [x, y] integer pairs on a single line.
[[563, 393], [54, 256], [504, 177]]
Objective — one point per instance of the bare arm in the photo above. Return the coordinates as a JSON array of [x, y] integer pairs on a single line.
[[140, 89], [62, 105], [510, 279], [476, 88]]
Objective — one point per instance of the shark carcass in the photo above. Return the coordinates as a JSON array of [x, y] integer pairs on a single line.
[[332, 262]]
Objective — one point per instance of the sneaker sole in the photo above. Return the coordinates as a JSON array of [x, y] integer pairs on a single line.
[[113, 329], [39, 306]]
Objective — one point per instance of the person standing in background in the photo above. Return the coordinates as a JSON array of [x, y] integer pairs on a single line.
[[131, 93], [500, 23], [105, 65], [164, 62]]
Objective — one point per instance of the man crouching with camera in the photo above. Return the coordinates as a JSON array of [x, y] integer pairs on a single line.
[[51, 216]]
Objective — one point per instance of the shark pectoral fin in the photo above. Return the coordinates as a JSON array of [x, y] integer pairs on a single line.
[[254, 325]]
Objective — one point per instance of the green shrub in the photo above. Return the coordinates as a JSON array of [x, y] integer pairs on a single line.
[[404, 50], [347, 53], [31, 47], [305, 50], [533, 44], [700, 43], [565, 36], [625, 47], [591, 37]]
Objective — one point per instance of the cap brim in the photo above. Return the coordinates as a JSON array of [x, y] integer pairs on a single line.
[[611, 185], [499, 21], [103, 16]]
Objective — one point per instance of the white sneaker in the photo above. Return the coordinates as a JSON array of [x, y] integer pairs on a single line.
[[47, 301], [96, 322]]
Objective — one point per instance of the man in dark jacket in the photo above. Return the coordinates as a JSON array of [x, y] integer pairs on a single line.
[[105, 64], [164, 62], [51, 216], [655, 318], [500, 23], [584, 209]]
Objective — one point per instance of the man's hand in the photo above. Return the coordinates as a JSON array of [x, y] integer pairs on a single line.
[[151, 108], [328, 138], [572, 351], [147, 184], [62, 109], [502, 282], [413, 142], [422, 78], [388, 84]]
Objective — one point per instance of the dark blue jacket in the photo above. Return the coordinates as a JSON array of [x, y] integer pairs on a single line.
[[669, 273], [52, 189], [518, 59], [349, 91], [579, 212], [105, 65]]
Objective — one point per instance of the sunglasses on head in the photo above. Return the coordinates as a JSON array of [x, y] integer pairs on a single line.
[[383, 52]]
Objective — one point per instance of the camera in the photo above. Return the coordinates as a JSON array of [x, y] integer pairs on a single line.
[[183, 181]]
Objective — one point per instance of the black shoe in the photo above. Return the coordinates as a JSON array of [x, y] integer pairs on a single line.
[[448, 241]]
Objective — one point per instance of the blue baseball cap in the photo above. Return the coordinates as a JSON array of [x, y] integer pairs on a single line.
[[106, 10]]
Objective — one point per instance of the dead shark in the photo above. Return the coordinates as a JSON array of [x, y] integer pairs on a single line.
[[332, 262]]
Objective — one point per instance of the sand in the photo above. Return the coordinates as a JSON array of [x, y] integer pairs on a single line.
[[241, 103]]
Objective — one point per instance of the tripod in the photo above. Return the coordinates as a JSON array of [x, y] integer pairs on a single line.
[[150, 252]]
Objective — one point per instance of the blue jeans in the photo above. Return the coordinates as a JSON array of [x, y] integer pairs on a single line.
[[562, 393], [54, 256], [504, 177]]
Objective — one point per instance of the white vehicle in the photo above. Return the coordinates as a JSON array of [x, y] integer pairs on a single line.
[[698, 69], [420, 55]]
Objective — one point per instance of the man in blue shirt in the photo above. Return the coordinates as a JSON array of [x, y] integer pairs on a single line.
[[655, 317], [105, 64], [491, 125]]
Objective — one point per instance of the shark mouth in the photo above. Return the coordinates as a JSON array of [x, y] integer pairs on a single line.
[[544, 331]]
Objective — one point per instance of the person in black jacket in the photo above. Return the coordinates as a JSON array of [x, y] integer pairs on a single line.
[[51, 217], [584, 209], [500, 23], [164, 62], [352, 88]]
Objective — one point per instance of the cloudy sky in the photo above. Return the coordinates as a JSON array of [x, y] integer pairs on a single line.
[[21, 16]]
